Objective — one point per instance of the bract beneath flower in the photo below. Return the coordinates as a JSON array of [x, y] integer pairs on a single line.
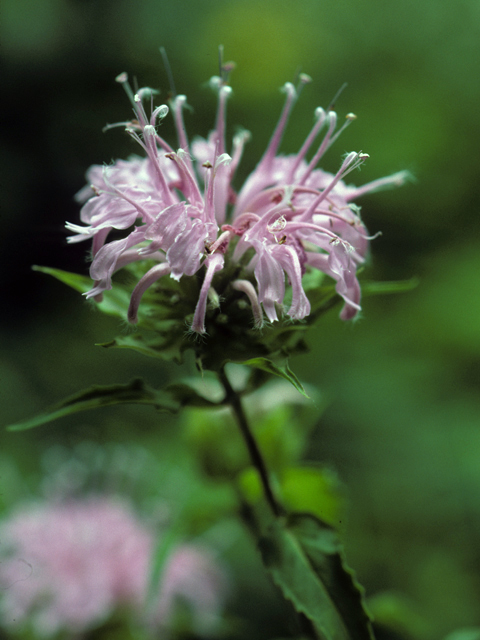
[[180, 209]]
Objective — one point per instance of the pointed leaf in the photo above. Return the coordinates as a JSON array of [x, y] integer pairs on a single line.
[[134, 392], [74, 280], [148, 344], [321, 545], [303, 556], [115, 302], [282, 372]]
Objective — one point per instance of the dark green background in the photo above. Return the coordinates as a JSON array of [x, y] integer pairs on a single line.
[[402, 428]]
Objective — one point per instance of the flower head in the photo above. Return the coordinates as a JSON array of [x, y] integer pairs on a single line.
[[67, 566], [179, 209]]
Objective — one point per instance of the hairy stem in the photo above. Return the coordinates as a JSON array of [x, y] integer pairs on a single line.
[[233, 399]]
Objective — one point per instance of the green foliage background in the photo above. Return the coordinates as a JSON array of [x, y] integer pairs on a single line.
[[402, 424]]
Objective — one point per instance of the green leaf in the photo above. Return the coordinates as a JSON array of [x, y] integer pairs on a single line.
[[74, 280], [133, 392], [321, 546], [282, 372], [469, 633], [313, 489], [395, 614], [303, 556], [115, 302], [394, 286], [149, 343], [186, 395]]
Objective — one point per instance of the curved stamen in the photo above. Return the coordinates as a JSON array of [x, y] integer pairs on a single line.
[[149, 135], [122, 79], [276, 138], [220, 160], [299, 226], [221, 242], [189, 185], [140, 111], [214, 263], [178, 104], [223, 94], [160, 112], [332, 118], [320, 116], [351, 162], [349, 118], [395, 180], [154, 274], [246, 287], [238, 145]]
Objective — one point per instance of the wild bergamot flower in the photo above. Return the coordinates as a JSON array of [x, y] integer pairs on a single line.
[[68, 566], [180, 210]]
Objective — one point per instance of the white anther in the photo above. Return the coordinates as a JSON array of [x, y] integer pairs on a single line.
[[242, 136], [146, 92], [289, 88], [181, 153], [160, 112], [354, 208], [279, 225], [223, 159], [215, 82], [226, 91], [149, 130], [181, 99], [305, 78], [122, 77]]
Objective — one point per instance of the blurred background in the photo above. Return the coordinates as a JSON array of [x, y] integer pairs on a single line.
[[402, 427]]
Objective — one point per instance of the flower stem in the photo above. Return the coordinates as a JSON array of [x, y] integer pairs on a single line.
[[233, 399]]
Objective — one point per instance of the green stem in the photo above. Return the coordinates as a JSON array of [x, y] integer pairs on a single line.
[[233, 399]]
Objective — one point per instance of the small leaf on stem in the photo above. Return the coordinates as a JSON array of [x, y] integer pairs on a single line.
[[304, 557], [282, 372]]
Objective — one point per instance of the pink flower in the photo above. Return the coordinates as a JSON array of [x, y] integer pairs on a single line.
[[69, 566], [180, 209]]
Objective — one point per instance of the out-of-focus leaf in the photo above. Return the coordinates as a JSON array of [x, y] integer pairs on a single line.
[[115, 301], [186, 395], [395, 613], [395, 286], [471, 633], [151, 344], [304, 557], [282, 372], [133, 392], [250, 485], [74, 280], [315, 490]]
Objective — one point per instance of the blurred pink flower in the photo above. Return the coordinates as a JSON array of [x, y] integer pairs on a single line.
[[69, 566], [292, 214]]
